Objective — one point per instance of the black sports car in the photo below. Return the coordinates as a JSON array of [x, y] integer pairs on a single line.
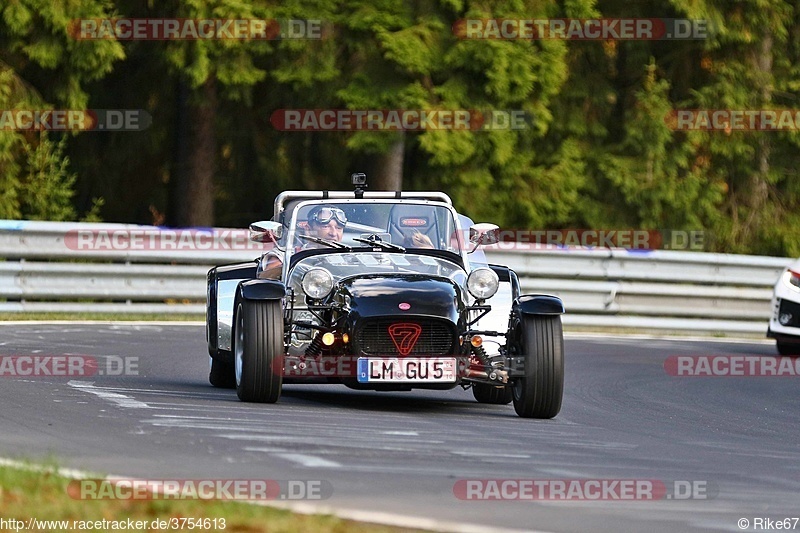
[[381, 291]]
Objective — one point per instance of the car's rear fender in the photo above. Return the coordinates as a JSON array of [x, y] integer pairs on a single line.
[[222, 282]]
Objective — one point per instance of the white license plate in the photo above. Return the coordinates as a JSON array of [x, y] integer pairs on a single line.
[[414, 369]]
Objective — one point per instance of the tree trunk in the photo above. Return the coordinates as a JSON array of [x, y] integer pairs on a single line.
[[764, 63], [761, 60], [192, 202], [389, 171]]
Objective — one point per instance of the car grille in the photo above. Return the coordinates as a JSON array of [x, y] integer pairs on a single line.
[[790, 310], [436, 338]]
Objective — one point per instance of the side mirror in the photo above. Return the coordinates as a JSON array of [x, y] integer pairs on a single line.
[[266, 231], [483, 234]]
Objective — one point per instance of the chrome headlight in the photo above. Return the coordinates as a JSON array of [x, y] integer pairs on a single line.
[[317, 283], [482, 283]]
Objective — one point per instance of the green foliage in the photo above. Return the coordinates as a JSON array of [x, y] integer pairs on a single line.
[[747, 65], [230, 61], [9, 149], [42, 65], [599, 150], [46, 189], [37, 34]]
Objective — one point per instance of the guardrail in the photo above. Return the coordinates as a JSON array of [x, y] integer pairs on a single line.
[[659, 290], [71, 267]]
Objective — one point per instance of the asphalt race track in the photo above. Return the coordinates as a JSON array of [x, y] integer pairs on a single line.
[[736, 439]]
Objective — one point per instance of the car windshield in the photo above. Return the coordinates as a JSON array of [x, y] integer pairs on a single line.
[[329, 224]]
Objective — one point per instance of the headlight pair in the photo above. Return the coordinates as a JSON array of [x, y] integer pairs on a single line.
[[482, 283]]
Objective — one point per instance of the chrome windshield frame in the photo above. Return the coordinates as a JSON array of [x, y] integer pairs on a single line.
[[455, 220]]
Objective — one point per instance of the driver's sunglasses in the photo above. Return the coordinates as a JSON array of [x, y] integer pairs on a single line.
[[326, 214]]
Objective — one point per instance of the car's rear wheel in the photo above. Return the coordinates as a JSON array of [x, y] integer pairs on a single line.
[[540, 340], [221, 374], [788, 348], [490, 394], [258, 350]]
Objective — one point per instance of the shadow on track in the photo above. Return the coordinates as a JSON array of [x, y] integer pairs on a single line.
[[447, 402]]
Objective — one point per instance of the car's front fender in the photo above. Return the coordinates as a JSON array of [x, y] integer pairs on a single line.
[[262, 289], [540, 304]]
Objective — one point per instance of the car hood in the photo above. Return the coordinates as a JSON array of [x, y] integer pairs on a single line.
[[400, 295]]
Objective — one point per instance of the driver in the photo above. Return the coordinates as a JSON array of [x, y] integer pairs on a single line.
[[325, 222]]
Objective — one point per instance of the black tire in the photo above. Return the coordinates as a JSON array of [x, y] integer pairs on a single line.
[[258, 350], [540, 340], [493, 395], [222, 375], [788, 348]]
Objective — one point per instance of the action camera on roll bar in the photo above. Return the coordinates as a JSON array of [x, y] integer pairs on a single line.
[[359, 180]]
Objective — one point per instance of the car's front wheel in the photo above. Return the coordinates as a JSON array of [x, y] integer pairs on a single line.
[[493, 395], [258, 350], [540, 341]]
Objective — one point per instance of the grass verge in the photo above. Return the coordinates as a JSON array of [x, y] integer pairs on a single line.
[[105, 317], [42, 494], [664, 332]]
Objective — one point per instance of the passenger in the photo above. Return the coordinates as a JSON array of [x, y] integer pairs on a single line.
[[417, 240]]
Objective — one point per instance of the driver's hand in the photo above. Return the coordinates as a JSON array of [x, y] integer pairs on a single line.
[[421, 241]]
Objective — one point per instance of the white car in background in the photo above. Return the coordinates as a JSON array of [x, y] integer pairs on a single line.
[[784, 325]]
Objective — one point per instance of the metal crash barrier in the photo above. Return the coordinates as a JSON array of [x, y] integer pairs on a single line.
[[123, 268]]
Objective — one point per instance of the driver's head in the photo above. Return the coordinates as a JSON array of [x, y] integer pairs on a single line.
[[327, 222]]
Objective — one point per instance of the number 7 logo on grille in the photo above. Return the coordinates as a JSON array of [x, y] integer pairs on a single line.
[[404, 336]]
